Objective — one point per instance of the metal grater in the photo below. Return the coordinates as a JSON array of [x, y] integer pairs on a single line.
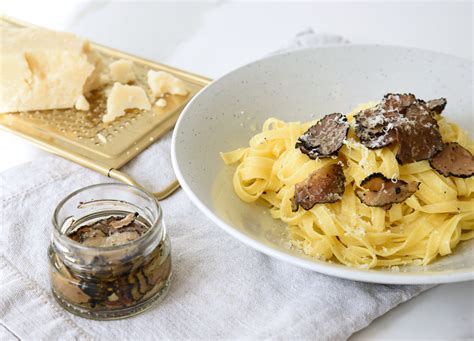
[[83, 138]]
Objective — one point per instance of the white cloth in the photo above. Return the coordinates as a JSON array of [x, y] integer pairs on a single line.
[[308, 38], [221, 287]]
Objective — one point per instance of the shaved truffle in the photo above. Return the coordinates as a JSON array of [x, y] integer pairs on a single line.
[[324, 138], [106, 232], [397, 102], [454, 160], [437, 105], [404, 119], [129, 218], [324, 185], [376, 127], [418, 135], [379, 191]]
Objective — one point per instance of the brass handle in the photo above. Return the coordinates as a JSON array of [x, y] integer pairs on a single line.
[[160, 195]]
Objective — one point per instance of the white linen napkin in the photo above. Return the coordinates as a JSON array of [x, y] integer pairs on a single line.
[[221, 287]]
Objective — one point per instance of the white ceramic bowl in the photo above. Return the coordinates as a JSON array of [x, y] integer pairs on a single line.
[[300, 86]]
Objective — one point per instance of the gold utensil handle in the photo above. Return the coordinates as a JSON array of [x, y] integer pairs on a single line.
[[160, 195]]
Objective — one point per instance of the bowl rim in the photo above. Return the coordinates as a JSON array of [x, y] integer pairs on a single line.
[[331, 269]]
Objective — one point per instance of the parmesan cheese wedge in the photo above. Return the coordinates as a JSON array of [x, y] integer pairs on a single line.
[[82, 104], [123, 97], [42, 69], [122, 71], [162, 83]]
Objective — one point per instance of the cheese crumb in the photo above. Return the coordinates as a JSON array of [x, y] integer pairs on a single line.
[[104, 79], [122, 71], [81, 103], [162, 83], [101, 138], [161, 103], [123, 97]]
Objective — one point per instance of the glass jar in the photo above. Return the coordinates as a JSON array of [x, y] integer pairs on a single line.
[[109, 280]]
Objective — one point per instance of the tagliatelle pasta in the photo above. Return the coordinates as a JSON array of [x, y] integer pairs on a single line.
[[428, 224]]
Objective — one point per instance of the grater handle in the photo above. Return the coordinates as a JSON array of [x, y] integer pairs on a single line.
[[160, 195]]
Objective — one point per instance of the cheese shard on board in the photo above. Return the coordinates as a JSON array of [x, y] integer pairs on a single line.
[[42, 69], [161, 102], [123, 97], [122, 71], [81, 103], [161, 83]]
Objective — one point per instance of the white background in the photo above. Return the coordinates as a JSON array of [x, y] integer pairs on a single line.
[[212, 38]]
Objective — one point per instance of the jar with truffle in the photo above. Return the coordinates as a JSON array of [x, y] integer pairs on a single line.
[[109, 256]]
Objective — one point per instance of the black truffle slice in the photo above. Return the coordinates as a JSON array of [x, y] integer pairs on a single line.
[[404, 119], [127, 220], [454, 160], [379, 191], [324, 138], [324, 185], [437, 105], [397, 102], [115, 230], [375, 127], [418, 135]]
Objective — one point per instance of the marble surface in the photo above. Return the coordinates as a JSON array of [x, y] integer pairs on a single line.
[[214, 37]]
